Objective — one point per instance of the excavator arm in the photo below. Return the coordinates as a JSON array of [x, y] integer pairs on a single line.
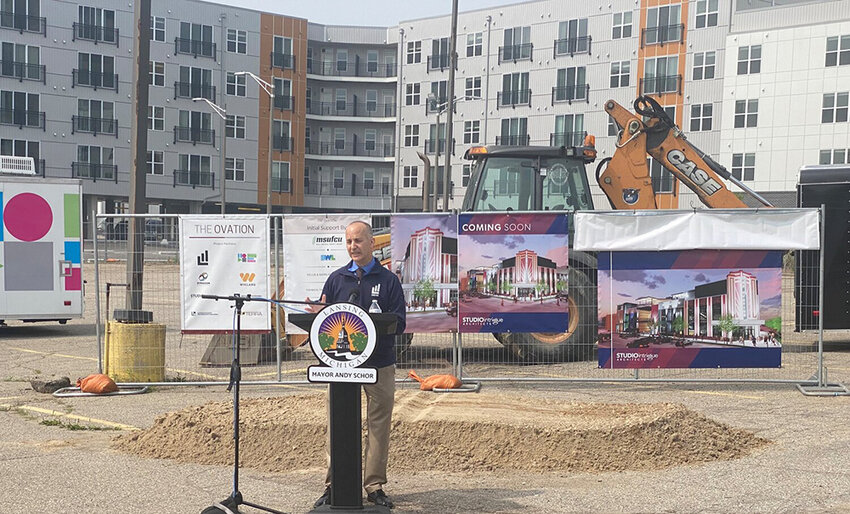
[[626, 179]]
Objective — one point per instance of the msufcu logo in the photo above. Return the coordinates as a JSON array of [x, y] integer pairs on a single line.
[[324, 240], [343, 336]]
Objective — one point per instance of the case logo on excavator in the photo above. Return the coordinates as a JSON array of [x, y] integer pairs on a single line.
[[699, 177]]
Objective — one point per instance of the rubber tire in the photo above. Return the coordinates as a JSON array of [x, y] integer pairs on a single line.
[[402, 344], [577, 344]]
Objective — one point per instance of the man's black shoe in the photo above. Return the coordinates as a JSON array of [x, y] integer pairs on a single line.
[[379, 497], [324, 498]]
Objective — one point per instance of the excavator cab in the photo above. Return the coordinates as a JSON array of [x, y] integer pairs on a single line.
[[528, 178]]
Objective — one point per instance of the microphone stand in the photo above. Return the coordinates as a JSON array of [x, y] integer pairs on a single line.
[[232, 503]]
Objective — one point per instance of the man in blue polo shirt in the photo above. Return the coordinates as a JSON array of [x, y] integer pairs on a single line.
[[372, 281]]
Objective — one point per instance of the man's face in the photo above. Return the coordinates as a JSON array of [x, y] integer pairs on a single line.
[[359, 244]]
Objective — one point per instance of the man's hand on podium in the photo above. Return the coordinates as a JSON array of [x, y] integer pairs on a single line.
[[314, 308]]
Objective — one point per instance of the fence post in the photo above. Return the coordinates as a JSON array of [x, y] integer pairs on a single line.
[[822, 216], [96, 293], [276, 289]]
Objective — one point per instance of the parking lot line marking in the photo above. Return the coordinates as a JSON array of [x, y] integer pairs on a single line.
[[732, 395], [283, 372], [76, 417], [9, 397], [198, 373], [54, 354]]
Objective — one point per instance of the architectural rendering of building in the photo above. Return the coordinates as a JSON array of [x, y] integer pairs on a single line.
[[525, 275], [430, 256]]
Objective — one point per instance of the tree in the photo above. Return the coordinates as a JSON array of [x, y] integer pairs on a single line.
[[678, 324], [727, 325], [424, 290], [653, 325]]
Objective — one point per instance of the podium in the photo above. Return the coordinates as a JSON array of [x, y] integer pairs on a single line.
[[345, 431]]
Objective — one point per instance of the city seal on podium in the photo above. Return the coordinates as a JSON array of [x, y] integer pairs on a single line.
[[342, 337]]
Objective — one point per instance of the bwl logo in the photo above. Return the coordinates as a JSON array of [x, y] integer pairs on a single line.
[[204, 258], [247, 277], [328, 257]]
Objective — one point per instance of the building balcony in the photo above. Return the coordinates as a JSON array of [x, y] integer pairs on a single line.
[[355, 68], [339, 187], [517, 140], [661, 84], [96, 33], [352, 148], [516, 53], [282, 143], [281, 185], [94, 126], [22, 118], [194, 90], [282, 61], [23, 23], [194, 135], [194, 47], [571, 46], [431, 146], [570, 94], [94, 79], [284, 103], [94, 172], [567, 138], [663, 34], [23, 71], [513, 98], [438, 62], [194, 178], [355, 109]]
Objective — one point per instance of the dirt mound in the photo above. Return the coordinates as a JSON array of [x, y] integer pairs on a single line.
[[452, 433]]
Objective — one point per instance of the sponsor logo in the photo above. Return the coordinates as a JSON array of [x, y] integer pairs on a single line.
[[247, 277], [376, 291], [699, 177], [631, 196], [323, 240], [343, 336], [203, 278], [328, 257], [203, 313], [204, 258], [246, 257]]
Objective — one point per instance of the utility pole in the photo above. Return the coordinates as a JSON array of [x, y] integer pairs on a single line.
[[138, 171], [449, 117], [223, 84]]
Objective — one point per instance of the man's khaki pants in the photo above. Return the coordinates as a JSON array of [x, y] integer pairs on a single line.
[[380, 398]]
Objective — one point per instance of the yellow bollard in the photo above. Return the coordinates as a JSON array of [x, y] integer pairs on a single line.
[[135, 352]]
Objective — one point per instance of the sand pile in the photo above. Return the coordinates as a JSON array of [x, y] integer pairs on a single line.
[[448, 432]]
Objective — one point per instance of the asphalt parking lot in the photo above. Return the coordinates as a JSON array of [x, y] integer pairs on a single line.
[[49, 468]]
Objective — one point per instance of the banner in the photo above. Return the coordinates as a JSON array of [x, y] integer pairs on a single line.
[[315, 247], [690, 309], [512, 272], [224, 255], [424, 257]]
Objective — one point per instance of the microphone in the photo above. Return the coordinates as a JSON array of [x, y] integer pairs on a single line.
[[353, 296]]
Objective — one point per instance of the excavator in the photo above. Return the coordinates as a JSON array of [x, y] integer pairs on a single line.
[[533, 178]]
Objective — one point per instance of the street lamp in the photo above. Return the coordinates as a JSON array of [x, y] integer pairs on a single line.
[[223, 115], [441, 108], [269, 89]]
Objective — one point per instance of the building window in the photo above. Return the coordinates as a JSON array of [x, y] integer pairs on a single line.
[[157, 73], [473, 87], [339, 138], [836, 156], [156, 163], [749, 60], [94, 24], [613, 130], [663, 24], [515, 89], [368, 179], [701, 117], [706, 13], [439, 59], [834, 108], [471, 132], [370, 139], [411, 135], [411, 176], [838, 50], [620, 73], [622, 27], [744, 166], [569, 130], [339, 178], [704, 65], [237, 41], [342, 59], [156, 117], [746, 113], [473, 44], [662, 179], [518, 45], [234, 169], [95, 162], [341, 99], [467, 172], [236, 84], [280, 177], [661, 75], [235, 126], [157, 28], [411, 94], [372, 61], [514, 132], [96, 70], [414, 52], [195, 39]]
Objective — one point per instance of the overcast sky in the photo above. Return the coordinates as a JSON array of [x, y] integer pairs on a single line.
[[380, 13]]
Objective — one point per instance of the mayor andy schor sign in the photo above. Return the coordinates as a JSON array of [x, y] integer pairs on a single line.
[[223, 256], [342, 337]]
